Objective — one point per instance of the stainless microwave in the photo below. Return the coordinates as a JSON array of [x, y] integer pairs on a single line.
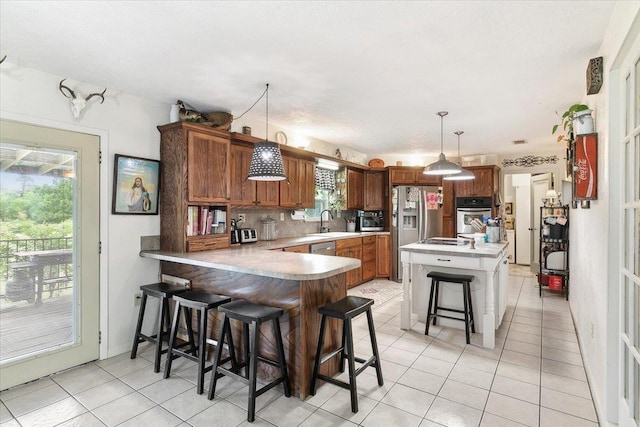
[[370, 221]]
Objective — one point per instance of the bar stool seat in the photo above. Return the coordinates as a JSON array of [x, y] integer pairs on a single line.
[[203, 302], [432, 310], [164, 292], [345, 310], [252, 316]]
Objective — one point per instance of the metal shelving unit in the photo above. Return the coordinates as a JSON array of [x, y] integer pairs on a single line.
[[554, 249]]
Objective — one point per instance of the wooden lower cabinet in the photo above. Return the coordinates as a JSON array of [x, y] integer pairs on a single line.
[[369, 255], [383, 256], [351, 248]]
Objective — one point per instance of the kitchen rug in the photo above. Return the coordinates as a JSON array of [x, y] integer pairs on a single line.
[[380, 291]]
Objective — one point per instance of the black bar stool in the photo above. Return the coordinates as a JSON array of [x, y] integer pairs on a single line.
[[252, 316], [164, 292], [345, 310], [432, 309], [203, 302]]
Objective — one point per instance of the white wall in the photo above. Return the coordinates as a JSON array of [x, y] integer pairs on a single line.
[[590, 238], [127, 125]]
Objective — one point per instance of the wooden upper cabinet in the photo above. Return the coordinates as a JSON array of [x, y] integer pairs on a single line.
[[411, 175], [485, 184], [208, 172], [245, 192], [373, 191], [299, 192], [355, 189]]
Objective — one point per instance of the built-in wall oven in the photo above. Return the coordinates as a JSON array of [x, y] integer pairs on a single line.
[[468, 209]]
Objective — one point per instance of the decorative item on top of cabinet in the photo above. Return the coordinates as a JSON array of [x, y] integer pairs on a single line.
[[355, 189], [299, 192], [194, 175]]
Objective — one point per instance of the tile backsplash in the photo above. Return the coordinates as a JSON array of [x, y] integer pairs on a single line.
[[288, 227]]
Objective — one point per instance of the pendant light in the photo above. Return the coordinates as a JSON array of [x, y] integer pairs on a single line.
[[465, 174], [266, 161], [442, 166]]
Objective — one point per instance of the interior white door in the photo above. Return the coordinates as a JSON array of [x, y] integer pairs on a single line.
[[522, 183], [540, 184], [53, 288]]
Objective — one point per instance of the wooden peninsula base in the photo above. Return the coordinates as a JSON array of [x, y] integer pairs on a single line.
[[300, 298]]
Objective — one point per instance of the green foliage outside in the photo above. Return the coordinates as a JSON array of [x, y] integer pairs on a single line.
[[37, 213]]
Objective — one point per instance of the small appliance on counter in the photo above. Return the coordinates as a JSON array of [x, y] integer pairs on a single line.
[[235, 233], [269, 229], [369, 221], [248, 235]]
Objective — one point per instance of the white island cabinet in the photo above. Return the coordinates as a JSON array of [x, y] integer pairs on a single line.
[[488, 263]]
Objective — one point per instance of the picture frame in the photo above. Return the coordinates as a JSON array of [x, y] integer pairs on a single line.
[[508, 208], [136, 186]]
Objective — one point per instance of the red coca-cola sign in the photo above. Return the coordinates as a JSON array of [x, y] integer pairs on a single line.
[[585, 171]]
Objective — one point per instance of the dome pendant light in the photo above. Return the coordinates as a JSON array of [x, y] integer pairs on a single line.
[[465, 174], [266, 161], [442, 166]]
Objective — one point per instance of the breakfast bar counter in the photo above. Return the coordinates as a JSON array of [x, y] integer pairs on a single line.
[[297, 283], [488, 263]]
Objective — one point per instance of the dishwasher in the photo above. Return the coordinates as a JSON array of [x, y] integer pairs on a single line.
[[326, 248]]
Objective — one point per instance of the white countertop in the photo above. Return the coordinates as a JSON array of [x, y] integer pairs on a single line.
[[259, 258], [486, 250]]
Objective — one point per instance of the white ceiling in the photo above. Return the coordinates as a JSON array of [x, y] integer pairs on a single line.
[[366, 75]]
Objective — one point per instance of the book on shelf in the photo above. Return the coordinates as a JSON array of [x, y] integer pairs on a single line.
[[203, 220]]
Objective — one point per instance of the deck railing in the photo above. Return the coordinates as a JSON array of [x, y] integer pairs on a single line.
[[8, 249]]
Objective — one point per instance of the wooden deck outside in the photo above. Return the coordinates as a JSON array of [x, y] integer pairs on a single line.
[[27, 328]]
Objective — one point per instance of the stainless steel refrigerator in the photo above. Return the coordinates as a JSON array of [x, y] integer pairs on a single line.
[[417, 215]]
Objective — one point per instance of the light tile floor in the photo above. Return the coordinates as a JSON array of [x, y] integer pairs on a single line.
[[534, 377]]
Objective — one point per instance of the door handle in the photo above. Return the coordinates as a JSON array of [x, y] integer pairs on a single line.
[[442, 259]]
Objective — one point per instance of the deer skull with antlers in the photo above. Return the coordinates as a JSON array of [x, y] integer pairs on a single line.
[[78, 103]]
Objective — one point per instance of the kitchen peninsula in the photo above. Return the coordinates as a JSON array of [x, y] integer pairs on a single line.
[[488, 263], [297, 283]]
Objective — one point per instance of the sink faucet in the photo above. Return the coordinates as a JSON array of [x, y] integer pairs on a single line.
[[323, 228]]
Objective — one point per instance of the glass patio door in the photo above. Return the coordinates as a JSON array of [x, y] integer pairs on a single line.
[[49, 251], [629, 398]]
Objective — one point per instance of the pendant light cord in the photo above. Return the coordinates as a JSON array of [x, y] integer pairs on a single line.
[[254, 104], [267, 109]]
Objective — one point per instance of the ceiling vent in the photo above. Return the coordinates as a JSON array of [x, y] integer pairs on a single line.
[[519, 141]]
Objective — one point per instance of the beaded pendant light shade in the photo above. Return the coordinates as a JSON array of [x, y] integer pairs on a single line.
[[465, 174], [266, 161], [442, 166]]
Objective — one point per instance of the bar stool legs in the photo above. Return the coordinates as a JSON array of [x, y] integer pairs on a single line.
[[252, 316], [345, 310], [164, 292], [432, 309]]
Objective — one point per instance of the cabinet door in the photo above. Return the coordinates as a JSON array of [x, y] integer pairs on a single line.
[[483, 184], [465, 188], [448, 210], [307, 184], [267, 193], [243, 191], [289, 190], [403, 176], [355, 189], [373, 191], [208, 169], [383, 256], [423, 179]]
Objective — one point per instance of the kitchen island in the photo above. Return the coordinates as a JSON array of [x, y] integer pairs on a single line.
[[488, 263], [297, 283]]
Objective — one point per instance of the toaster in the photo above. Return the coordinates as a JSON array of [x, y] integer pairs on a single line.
[[248, 235]]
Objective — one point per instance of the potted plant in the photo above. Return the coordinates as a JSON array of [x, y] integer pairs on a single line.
[[575, 112]]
